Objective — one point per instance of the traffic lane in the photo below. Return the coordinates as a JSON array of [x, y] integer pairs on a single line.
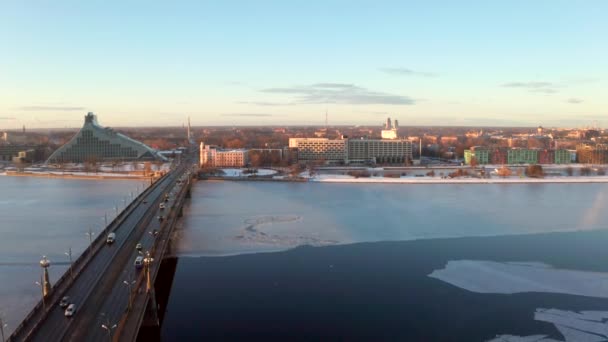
[[89, 275], [80, 331], [116, 303], [78, 292], [89, 317]]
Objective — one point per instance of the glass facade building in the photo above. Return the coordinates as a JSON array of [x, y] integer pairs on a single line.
[[94, 142]]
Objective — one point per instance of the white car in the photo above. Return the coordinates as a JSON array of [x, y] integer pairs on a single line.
[[162, 206], [70, 311]]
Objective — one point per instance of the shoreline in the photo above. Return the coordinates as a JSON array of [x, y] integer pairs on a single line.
[[428, 180], [75, 176]]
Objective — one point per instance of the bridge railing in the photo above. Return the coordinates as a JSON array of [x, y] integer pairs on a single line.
[[66, 280]]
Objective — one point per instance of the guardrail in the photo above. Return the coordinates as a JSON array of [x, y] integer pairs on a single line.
[[66, 280]]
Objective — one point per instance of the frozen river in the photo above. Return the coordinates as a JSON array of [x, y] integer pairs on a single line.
[[44, 216], [240, 217]]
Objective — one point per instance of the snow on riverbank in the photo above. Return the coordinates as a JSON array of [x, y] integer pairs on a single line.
[[240, 172], [438, 180]]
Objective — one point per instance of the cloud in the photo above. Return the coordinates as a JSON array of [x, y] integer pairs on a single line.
[[340, 93], [535, 87], [51, 108], [407, 72], [264, 103], [247, 114], [574, 100]]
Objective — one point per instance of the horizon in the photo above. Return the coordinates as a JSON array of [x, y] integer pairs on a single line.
[[470, 64]]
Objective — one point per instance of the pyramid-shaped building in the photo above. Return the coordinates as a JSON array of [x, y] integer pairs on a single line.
[[94, 142]]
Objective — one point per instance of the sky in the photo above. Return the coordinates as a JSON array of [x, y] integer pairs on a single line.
[[148, 63]]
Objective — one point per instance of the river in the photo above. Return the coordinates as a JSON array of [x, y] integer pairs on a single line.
[[48, 216], [449, 262]]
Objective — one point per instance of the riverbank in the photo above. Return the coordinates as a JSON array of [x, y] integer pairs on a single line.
[[77, 175], [439, 180]]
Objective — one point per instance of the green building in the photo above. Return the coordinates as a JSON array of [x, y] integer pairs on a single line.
[[481, 154], [562, 157], [522, 156]]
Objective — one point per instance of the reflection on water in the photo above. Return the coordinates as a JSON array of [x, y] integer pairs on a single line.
[[40, 216], [227, 218]]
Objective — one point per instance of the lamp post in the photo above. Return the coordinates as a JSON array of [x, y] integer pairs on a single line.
[[147, 263], [129, 283], [69, 254], [108, 327], [41, 291], [2, 326], [90, 233], [45, 281]]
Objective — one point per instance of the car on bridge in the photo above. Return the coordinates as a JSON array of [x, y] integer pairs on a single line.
[[139, 262], [111, 238], [70, 311], [65, 301]]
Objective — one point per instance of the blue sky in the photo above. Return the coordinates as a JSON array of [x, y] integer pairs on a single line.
[[286, 62]]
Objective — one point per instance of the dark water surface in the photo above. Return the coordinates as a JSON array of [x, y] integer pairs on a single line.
[[372, 291]]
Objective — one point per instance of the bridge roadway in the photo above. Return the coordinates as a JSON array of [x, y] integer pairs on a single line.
[[99, 281]]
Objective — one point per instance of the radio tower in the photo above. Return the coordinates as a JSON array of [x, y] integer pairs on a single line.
[[189, 130]]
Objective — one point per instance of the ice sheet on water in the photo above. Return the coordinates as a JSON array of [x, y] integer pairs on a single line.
[[516, 277], [500, 277]]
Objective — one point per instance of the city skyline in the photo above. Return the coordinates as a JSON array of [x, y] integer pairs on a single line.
[[235, 63]]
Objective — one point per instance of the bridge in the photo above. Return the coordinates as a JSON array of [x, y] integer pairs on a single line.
[[113, 298]]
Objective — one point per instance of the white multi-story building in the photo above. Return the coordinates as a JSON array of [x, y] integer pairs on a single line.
[[211, 156], [352, 150], [379, 151], [319, 149]]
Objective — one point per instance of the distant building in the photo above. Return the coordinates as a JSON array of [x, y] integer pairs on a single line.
[[319, 149], [480, 153], [211, 156], [379, 151], [94, 142], [22, 153], [592, 154], [390, 131], [502, 155], [347, 151]]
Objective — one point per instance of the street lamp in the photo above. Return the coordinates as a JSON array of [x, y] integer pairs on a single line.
[[147, 262], [69, 254], [41, 291], [108, 327], [2, 326], [129, 283], [90, 234]]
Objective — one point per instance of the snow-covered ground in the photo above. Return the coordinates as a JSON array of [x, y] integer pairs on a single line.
[[239, 172], [460, 180], [508, 278]]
